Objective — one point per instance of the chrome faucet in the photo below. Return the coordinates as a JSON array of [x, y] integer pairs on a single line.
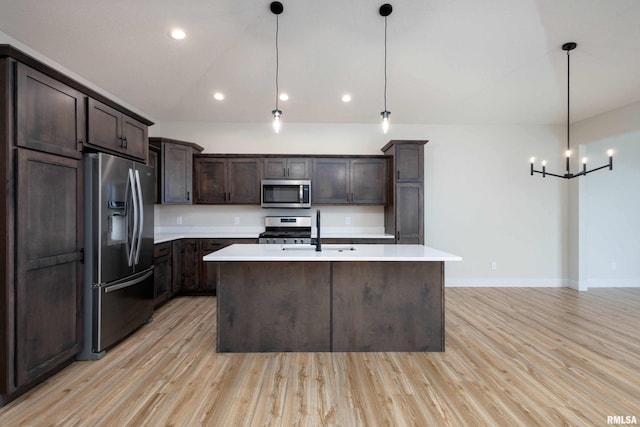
[[318, 242]]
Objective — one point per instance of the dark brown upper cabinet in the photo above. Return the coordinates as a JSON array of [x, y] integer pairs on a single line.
[[175, 170], [358, 181], [50, 115], [112, 130], [227, 180], [287, 168]]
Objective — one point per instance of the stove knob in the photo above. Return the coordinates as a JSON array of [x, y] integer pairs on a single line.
[[284, 241]]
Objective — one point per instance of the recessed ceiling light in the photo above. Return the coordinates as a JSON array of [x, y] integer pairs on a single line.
[[284, 97], [346, 98], [178, 34], [219, 96]]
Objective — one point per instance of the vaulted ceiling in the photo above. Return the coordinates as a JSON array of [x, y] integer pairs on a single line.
[[449, 61]]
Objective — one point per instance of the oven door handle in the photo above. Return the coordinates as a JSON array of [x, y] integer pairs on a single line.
[[128, 283]]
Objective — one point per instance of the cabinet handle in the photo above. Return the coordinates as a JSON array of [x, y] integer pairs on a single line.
[[188, 195], [397, 235], [398, 174], [124, 140], [80, 143], [288, 172]]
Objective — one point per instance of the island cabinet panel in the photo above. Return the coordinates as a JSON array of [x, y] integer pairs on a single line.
[[281, 306], [223, 180], [50, 115], [388, 306], [287, 168], [48, 259], [116, 132], [358, 181]]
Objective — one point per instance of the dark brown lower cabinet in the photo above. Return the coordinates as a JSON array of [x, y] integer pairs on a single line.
[[162, 272], [48, 259], [177, 266]]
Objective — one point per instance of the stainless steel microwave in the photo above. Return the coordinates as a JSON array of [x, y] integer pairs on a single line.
[[285, 193]]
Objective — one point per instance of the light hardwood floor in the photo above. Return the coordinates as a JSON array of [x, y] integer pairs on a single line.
[[514, 357]]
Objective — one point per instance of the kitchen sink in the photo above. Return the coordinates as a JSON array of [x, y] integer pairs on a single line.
[[339, 248]]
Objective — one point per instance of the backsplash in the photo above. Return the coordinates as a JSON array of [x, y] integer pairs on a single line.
[[249, 218]]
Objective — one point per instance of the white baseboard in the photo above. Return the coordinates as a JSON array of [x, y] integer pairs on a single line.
[[613, 283], [506, 283], [539, 283]]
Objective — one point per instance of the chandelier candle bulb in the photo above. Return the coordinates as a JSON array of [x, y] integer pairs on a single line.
[[610, 153]]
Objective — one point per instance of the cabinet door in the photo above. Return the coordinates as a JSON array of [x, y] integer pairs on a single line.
[[209, 180], [369, 182], [409, 163], [330, 184], [275, 168], [298, 168], [154, 162], [48, 258], [162, 272], [50, 115], [243, 181], [177, 165], [135, 138], [105, 126], [177, 270], [191, 265], [409, 214]]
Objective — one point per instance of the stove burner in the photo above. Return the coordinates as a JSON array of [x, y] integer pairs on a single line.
[[286, 230]]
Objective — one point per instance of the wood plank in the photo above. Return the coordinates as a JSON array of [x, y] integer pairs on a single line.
[[519, 356]]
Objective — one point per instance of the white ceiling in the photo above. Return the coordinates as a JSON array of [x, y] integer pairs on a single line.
[[449, 61]]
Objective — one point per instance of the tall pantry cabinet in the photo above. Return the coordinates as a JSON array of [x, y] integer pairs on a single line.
[[43, 132], [404, 215]]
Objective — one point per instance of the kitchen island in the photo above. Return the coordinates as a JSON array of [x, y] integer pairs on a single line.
[[344, 298]]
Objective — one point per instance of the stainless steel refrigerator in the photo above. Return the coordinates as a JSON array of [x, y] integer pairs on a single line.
[[118, 275]]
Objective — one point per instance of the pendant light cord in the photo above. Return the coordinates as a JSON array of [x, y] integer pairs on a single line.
[[385, 63], [277, 62], [568, 100]]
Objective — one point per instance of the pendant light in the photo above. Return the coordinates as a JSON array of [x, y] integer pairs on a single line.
[[385, 10], [568, 47], [276, 8]]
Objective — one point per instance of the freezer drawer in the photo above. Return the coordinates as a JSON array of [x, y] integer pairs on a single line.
[[122, 307]]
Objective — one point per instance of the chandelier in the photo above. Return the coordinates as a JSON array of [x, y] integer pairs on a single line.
[[568, 47]]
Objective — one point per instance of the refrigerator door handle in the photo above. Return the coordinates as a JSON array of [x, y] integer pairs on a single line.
[[128, 282], [141, 216], [134, 201]]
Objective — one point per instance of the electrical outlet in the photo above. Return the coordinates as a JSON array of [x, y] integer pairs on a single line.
[[347, 220], [494, 265], [179, 220], [236, 220]]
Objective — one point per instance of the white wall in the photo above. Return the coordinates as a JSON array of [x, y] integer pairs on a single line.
[[480, 201], [609, 202]]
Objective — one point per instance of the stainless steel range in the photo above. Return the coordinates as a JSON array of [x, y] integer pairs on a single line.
[[286, 230]]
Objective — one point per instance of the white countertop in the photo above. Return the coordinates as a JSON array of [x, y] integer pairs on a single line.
[[255, 252], [167, 234]]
